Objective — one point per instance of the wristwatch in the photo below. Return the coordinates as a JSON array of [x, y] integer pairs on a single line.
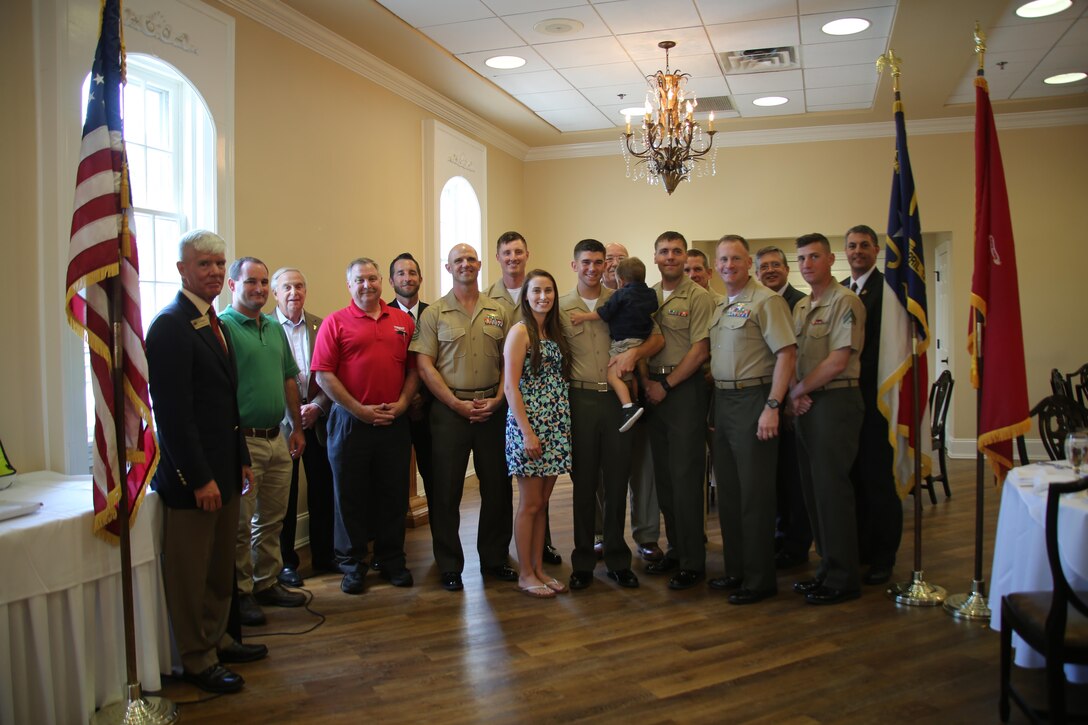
[[772, 403], [665, 385]]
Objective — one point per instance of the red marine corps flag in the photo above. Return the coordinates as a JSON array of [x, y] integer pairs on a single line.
[[103, 289], [995, 300]]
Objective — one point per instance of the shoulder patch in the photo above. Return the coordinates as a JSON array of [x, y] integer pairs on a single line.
[[848, 319]]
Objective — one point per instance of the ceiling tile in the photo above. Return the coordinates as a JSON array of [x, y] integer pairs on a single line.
[[847, 52], [744, 105], [1076, 35], [708, 87], [473, 35], [697, 66], [634, 94], [590, 51], [477, 61], [418, 13], [554, 100], [643, 46], [1010, 18], [880, 20], [609, 74], [1066, 58], [737, 11], [1038, 89], [839, 107], [783, 80], [809, 7], [537, 82], [593, 26], [612, 113], [755, 34], [509, 7], [840, 75], [840, 94], [1025, 37], [571, 120], [636, 16]]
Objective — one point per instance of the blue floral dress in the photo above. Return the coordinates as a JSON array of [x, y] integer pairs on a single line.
[[548, 408]]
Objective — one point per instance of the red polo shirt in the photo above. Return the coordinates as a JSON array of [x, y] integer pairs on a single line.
[[370, 357]]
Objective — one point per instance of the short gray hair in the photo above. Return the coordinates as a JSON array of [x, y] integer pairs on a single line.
[[202, 240], [284, 270]]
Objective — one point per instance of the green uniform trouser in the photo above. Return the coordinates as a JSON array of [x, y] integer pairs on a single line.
[[827, 444], [678, 440], [745, 469]]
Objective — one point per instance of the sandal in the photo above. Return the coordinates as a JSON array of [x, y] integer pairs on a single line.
[[556, 586], [540, 591]]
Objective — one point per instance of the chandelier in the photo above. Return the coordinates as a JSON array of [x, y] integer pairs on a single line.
[[671, 142]]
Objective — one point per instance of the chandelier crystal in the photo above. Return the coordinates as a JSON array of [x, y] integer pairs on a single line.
[[670, 143]]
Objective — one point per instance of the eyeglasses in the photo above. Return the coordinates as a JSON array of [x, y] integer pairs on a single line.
[[770, 265]]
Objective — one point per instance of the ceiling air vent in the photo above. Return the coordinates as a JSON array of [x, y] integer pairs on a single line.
[[759, 59], [717, 104]]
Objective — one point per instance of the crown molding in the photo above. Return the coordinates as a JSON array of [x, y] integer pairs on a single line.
[[311, 35], [842, 132]]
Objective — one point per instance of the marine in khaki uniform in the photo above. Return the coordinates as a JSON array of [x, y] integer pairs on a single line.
[[602, 455], [459, 342], [752, 353], [512, 254], [677, 420], [830, 329]]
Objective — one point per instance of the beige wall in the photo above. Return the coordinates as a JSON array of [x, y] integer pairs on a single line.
[[787, 190]]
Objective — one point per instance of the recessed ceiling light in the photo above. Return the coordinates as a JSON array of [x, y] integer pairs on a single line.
[[770, 101], [1042, 8], [846, 26], [1065, 78], [634, 111], [504, 62], [558, 26]]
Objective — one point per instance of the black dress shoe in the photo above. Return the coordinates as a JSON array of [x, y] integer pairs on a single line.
[[877, 574], [651, 551], [551, 556], [397, 577], [353, 583], [807, 585], [786, 560], [624, 577], [451, 581], [685, 579], [502, 572], [598, 547], [580, 579], [289, 577], [750, 596], [277, 596], [238, 652], [724, 583], [216, 678], [827, 595], [249, 611], [664, 566]]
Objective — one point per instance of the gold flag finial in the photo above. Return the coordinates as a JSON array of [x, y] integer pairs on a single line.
[[980, 45], [890, 61]]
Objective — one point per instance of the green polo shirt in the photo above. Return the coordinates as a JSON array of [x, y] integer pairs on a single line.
[[264, 362]]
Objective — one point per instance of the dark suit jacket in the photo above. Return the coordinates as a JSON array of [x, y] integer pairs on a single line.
[[872, 297], [194, 392], [792, 295], [422, 306]]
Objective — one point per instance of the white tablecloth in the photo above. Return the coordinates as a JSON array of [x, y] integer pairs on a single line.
[[1020, 560], [62, 642]]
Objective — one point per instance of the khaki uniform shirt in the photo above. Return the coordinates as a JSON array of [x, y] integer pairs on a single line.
[[589, 342], [498, 293], [745, 334], [684, 320], [836, 321], [467, 349]]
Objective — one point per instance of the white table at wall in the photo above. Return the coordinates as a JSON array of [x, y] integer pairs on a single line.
[[1020, 559], [62, 642]]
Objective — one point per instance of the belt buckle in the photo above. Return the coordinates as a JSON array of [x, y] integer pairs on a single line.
[[478, 394]]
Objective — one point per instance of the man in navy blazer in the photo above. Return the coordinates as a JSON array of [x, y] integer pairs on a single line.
[[204, 465], [406, 278]]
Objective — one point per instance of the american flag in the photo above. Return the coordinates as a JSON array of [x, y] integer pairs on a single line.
[[101, 256]]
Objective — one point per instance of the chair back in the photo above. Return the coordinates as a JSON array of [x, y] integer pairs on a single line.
[[1064, 595], [940, 398], [1077, 382], [1057, 415], [1061, 385]]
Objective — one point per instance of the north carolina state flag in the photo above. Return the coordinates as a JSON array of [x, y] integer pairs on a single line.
[[995, 301]]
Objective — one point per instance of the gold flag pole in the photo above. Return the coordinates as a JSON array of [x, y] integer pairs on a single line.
[[972, 606]]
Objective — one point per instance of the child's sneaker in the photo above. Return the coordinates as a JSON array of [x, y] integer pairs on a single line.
[[630, 415]]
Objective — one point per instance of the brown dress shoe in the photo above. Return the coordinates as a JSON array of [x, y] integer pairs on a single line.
[[651, 552]]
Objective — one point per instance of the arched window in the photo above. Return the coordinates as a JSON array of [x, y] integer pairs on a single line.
[[459, 222], [171, 144]]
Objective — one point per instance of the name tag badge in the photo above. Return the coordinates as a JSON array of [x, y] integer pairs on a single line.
[[199, 322], [677, 313], [819, 321]]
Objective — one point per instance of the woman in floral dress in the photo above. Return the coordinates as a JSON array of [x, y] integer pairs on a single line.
[[537, 370]]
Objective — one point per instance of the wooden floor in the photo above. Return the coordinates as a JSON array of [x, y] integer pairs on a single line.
[[648, 655]]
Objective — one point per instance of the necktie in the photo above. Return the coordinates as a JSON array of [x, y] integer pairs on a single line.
[[410, 314], [854, 287], [214, 319]]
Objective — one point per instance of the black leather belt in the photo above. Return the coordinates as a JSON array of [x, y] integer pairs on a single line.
[[595, 387], [269, 434], [742, 384], [836, 384]]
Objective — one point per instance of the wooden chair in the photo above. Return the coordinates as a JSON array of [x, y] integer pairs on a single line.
[[940, 398], [1054, 623], [1057, 415], [1077, 382], [1060, 384]]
